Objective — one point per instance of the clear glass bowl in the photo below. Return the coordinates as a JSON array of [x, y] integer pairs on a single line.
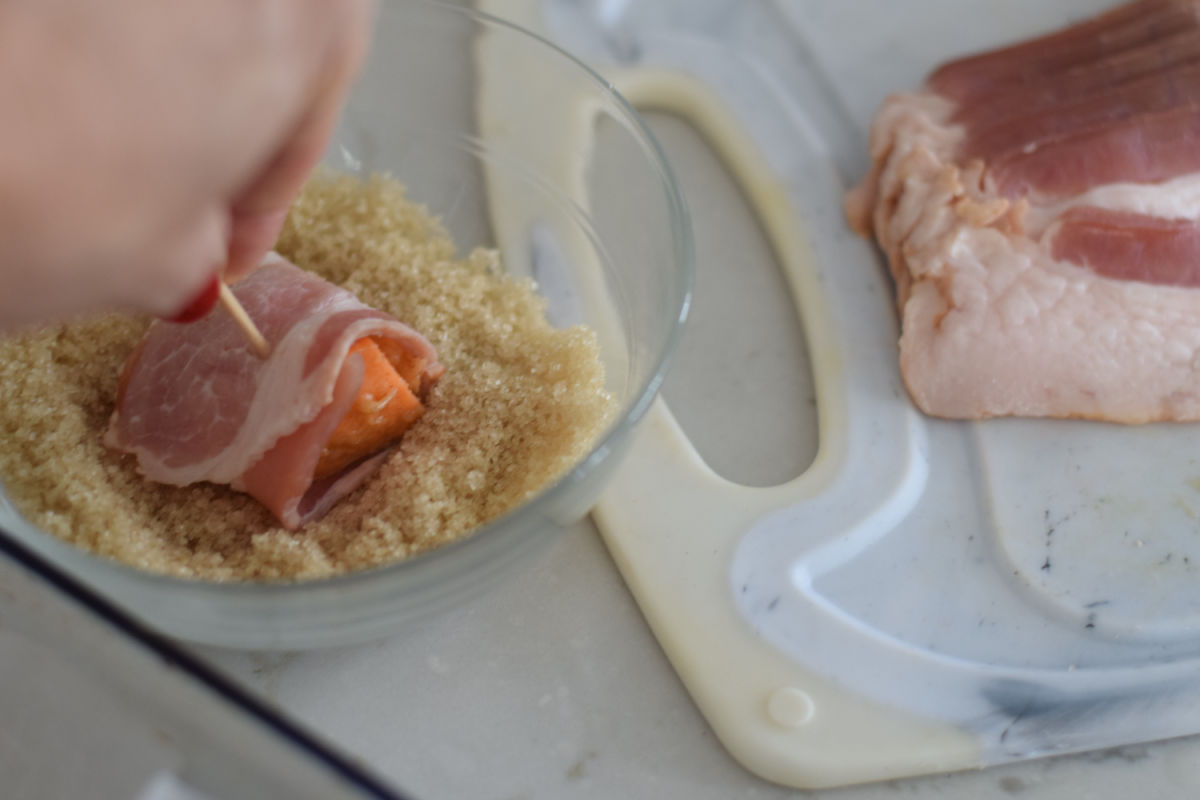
[[506, 138]]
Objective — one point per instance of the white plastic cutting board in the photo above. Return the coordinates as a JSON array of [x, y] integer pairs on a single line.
[[927, 595]]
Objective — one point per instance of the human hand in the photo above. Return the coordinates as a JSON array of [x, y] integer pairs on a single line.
[[148, 144]]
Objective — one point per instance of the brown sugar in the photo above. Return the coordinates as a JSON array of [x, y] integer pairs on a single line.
[[519, 405]]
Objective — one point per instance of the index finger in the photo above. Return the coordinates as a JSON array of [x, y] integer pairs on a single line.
[[258, 213]]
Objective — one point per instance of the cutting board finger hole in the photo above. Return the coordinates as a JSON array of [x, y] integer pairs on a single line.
[[760, 429]]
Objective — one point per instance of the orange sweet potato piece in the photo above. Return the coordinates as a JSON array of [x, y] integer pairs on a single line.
[[385, 408]]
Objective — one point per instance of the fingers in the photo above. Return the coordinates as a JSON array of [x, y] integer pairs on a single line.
[[258, 213], [159, 144], [197, 251], [251, 236]]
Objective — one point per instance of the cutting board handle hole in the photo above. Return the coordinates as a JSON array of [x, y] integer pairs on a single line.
[[741, 387]]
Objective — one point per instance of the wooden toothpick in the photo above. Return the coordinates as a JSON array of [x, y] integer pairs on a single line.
[[257, 341]]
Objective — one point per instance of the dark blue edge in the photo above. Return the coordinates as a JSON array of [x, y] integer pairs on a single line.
[[176, 657]]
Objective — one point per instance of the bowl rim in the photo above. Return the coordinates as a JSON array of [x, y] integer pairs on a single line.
[[683, 271]]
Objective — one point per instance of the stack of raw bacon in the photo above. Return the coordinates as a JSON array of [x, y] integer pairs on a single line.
[[1039, 206]]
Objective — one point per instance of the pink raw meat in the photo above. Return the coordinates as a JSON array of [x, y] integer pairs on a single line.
[[1039, 207], [196, 404]]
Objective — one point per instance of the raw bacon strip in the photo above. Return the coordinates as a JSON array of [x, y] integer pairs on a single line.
[[1141, 149], [1137, 121], [1083, 81], [1123, 28], [1131, 247], [1125, 105], [195, 404], [1048, 263], [286, 480]]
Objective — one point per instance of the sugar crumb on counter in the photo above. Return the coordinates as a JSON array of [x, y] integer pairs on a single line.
[[520, 403]]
